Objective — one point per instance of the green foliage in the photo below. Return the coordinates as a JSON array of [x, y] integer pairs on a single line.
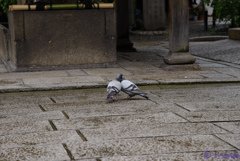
[[5, 3], [227, 10]]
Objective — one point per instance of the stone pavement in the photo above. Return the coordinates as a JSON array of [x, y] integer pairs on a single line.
[[178, 122]]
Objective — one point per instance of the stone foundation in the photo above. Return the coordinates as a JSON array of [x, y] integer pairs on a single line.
[[62, 39]]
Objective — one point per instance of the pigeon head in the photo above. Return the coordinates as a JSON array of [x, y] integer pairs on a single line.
[[119, 77]]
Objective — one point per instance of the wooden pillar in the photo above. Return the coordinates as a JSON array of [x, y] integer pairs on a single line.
[[179, 33], [154, 14], [123, 41], [132, 12]]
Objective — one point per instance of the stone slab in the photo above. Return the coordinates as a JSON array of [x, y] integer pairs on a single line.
[[146, 146], [107, 71], [98, 112], [205, 93], [223, 50], [229, 71], [233, 139], [210, 106], [31, 117], [150, 130], [217, 75], [26, 127], [76, 72], [36, 74], [36, 153], [233, 127], [212, 65], [27, 99], [9, 110], [39, 138], [196, 156], [134, 120], [210, 116], [63, 80], [10, 83]]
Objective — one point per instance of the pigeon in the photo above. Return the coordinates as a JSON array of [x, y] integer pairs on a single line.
[[130, 88], [113, 89]]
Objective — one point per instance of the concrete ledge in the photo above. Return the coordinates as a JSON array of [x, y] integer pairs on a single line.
[[62, 39], [234, 33]]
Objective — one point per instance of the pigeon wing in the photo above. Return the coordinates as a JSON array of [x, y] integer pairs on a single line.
[[130, 88], [113, 88]]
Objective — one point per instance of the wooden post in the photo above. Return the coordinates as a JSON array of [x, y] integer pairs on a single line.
[[123, 41], [179, 33]]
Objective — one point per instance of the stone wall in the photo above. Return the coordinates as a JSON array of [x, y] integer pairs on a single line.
[[63, 38]]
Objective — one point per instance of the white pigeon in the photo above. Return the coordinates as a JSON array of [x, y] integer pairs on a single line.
[[130, 88], [113, 89]]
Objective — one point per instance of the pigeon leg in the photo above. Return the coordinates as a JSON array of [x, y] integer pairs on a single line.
[[116, 99]]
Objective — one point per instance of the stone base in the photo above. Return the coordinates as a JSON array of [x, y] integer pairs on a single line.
[[234, 33], [62, 39], [179, 58]]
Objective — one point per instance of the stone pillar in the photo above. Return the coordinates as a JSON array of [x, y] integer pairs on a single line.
[[154, 14], [123, 41], [179, 33]]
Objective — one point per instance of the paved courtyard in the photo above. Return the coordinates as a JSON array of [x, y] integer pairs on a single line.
[[179, 122]]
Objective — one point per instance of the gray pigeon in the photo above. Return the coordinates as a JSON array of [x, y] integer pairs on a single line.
[[130, 88], [113, 89]]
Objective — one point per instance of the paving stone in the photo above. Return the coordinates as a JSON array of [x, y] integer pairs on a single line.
[[62, 80], [40, 138], [150, 130], [156, 145], [6, 84], [230, 126], [207, 93], [93, 122], [17, 110], [36, 74], [17, 127], [106, 71], [196, 156], [97, 112], [36, 153], [76, 72], [210, 106], [211, 116], [233, 139], [31, 117], [217, 75], [212, 65]]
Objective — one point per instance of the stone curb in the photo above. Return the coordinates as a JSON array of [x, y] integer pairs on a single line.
[[159, 82], [208, 38]]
